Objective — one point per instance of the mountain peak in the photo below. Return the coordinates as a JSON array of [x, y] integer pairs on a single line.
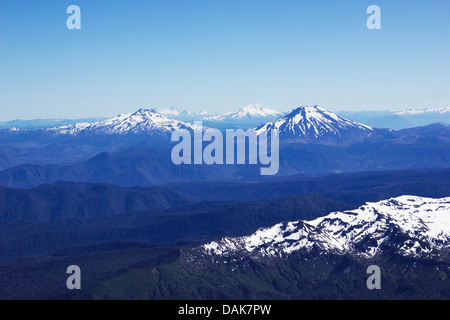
[[315, 108], [319, 115], [145, 111]]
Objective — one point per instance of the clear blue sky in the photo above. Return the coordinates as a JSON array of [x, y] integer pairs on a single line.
[[219, 55]]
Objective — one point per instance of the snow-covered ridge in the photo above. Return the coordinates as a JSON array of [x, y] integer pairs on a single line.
[[445, 109], [250, 112], [312, 122], [413, 226], [142, 121]]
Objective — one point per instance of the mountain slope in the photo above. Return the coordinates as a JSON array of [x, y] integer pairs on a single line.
[[356, 189], [411, 226], [148, 164], [316, 125], [64, 200], [143, 273], [7, 160], [433, 130]]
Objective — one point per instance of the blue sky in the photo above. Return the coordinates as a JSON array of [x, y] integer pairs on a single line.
[[219, 55]]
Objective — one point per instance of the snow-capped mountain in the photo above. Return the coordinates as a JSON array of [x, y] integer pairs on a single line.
[[143, 121], [315, 124], [183, 115], [250, 115], [408, 225], [437, 110]]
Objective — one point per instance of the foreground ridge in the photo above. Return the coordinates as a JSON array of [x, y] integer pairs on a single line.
[[409, 225]]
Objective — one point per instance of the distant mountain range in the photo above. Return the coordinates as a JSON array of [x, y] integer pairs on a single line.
[[308, 124], [134, 149], [439, 110], [256, 115], [36, 124], [400, 119]]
